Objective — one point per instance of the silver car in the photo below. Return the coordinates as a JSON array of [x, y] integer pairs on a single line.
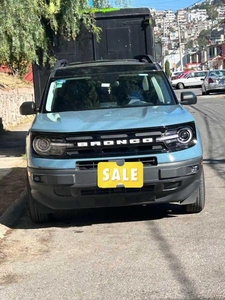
[[213, 82]]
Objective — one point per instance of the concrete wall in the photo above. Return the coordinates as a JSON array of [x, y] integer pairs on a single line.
[[10, 102]]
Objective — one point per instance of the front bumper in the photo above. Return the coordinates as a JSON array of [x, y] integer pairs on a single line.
[[72, 189]]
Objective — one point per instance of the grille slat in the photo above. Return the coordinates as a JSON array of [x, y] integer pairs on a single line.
[[115, 152], [98, 191], [92, 165]]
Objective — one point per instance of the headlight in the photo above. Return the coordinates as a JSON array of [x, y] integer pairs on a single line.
[[185, 135], [45, 146], [178, 138], [41, 145]]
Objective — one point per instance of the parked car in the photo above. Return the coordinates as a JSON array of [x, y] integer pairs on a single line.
[[192, 79], [214, 82], [176, 75], [184, 74], [112, 133]]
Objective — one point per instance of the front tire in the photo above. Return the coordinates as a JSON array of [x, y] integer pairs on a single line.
[[180, 86], [36, 215], [200, 200]]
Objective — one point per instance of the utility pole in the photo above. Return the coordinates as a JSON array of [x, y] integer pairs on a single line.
[[180, 47], [163, 45]]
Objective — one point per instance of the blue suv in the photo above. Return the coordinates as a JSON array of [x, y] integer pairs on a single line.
[[112, 133]]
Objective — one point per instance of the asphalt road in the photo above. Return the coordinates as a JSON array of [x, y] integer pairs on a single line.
[[154, 252]]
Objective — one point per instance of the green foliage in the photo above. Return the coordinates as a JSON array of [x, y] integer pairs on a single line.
[[208, 4], [189, 45], [212, 13], [167, 68], [203, 38], [211, 8], [28, 29]]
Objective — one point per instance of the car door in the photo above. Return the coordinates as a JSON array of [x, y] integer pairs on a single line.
[[199, 78], [190, 79]]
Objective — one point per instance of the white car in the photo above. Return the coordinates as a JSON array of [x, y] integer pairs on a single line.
[[191, 79]]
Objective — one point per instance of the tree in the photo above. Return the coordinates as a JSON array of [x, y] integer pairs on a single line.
[[203, 38], [28, 28], [167, 68], [212, 13], [189, 45]]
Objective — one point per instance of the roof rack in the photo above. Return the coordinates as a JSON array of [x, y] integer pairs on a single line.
[[60, 63], [65, 62], [144, 58], [91, 62]]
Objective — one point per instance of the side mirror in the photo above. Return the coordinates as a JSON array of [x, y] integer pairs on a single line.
[[188, 98], [28, 108]]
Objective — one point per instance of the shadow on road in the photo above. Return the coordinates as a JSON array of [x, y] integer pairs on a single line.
[[88, 217], [12, 185], [12, 143], [214, 161]]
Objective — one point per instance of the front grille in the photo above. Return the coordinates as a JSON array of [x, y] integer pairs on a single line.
[[115, 144], [113, 152], [92, 165], [98, 191], [109, 143]]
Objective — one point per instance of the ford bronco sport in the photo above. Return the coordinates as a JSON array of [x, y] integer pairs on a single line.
[[112, 133]]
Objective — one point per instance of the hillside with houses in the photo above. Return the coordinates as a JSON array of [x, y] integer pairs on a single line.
[[192, 37]]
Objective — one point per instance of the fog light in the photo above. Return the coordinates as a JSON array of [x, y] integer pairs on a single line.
[[194, 169], [36, 178]]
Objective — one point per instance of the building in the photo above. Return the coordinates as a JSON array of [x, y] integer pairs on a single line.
[[196, 15]]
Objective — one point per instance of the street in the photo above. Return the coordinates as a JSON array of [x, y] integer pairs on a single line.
[[154, 252]]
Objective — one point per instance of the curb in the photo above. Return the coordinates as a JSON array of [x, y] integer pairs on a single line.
[[14, 211]]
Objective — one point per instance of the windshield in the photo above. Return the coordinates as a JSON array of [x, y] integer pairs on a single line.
[[218, 73], [103, 91]]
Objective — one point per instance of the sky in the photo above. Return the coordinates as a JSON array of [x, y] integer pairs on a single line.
[[173, 5]]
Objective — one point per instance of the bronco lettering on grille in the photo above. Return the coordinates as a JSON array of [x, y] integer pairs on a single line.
[[114, 142]]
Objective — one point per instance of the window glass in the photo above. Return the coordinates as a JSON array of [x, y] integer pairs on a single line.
[[201, 74], [191, 75], [108, 90], [217, 73]]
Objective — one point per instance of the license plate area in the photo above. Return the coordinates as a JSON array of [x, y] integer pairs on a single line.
[[221, 81], [111, 175]]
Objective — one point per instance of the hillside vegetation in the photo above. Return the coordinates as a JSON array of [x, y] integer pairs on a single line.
[[10, 82]]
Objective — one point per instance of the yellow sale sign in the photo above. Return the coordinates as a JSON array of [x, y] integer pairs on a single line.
[[110, 175]]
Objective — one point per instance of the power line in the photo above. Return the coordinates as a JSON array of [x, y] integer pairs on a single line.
[[158, 3]]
